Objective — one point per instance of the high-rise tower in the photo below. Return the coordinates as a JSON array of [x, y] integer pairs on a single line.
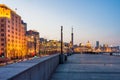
[[97, 44]]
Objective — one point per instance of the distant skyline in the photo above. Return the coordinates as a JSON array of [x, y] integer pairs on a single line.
[[92, 20]]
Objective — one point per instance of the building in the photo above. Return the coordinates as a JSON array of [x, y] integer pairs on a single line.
[[43, 40], [115, 49], [12, 34], [50, 46], [33, 43], [84, 48], [97, 44], [88, 44]]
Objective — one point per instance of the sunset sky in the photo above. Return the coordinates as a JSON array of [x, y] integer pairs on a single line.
[[93, 20]]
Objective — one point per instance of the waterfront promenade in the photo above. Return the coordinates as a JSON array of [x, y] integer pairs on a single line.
[[89, 67]]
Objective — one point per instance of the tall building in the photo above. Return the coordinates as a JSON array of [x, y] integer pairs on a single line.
[[33, 43], [88, 44], [97, 44], [12, 34]]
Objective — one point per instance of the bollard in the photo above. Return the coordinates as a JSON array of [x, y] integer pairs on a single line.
[[61, 58], [110, 54], [65, 57]]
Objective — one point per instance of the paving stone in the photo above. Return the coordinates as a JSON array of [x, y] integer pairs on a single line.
[[89, 67]]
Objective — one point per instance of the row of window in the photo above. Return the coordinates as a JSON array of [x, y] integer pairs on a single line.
[[3, 44], [2, 30], [2, 39], [16, 41], [9, 25], [13, 19], [2, 49], [2, 25], [2, 34], [2, 20]]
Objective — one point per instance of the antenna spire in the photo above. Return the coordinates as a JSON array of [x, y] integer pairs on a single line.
[[72, 29]]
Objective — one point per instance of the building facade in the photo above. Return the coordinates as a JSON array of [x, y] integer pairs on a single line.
[[97, 44], [12, 34], [84, 48], [33, 43]]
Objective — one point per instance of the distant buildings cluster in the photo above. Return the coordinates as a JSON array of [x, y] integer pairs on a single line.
[[98, 48], [106, 48]]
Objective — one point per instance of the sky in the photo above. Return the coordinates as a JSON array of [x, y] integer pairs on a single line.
[[92, 20]]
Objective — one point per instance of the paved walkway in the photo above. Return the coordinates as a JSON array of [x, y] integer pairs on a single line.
[[89, 67]]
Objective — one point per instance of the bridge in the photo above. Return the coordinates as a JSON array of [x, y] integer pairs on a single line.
[[77, 67]]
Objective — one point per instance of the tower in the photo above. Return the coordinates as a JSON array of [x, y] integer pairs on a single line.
[[97, 44]]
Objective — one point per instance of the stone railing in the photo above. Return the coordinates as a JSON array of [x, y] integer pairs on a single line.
[[35, 69]]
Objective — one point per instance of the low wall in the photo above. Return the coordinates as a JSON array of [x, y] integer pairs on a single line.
[[36, 69]]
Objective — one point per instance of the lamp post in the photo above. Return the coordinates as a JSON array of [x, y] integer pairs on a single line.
[[72, 41], [35, 45], [61, 39], [62, 56]]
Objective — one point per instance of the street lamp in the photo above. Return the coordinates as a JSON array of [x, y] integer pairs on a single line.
[[61, 39], [62, 56], [35, 45]]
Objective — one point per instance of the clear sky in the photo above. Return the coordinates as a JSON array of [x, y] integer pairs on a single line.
[[93, 20]]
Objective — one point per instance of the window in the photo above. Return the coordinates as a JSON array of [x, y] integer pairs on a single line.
[[8, 35], [2, 20], [2, 48], [2, 39], [8, 26], [2, 44], [8, 21], [8, 44], [2, 30], [8, 30], [2, 34], [8, 39], [12, 27], [2, 25]]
